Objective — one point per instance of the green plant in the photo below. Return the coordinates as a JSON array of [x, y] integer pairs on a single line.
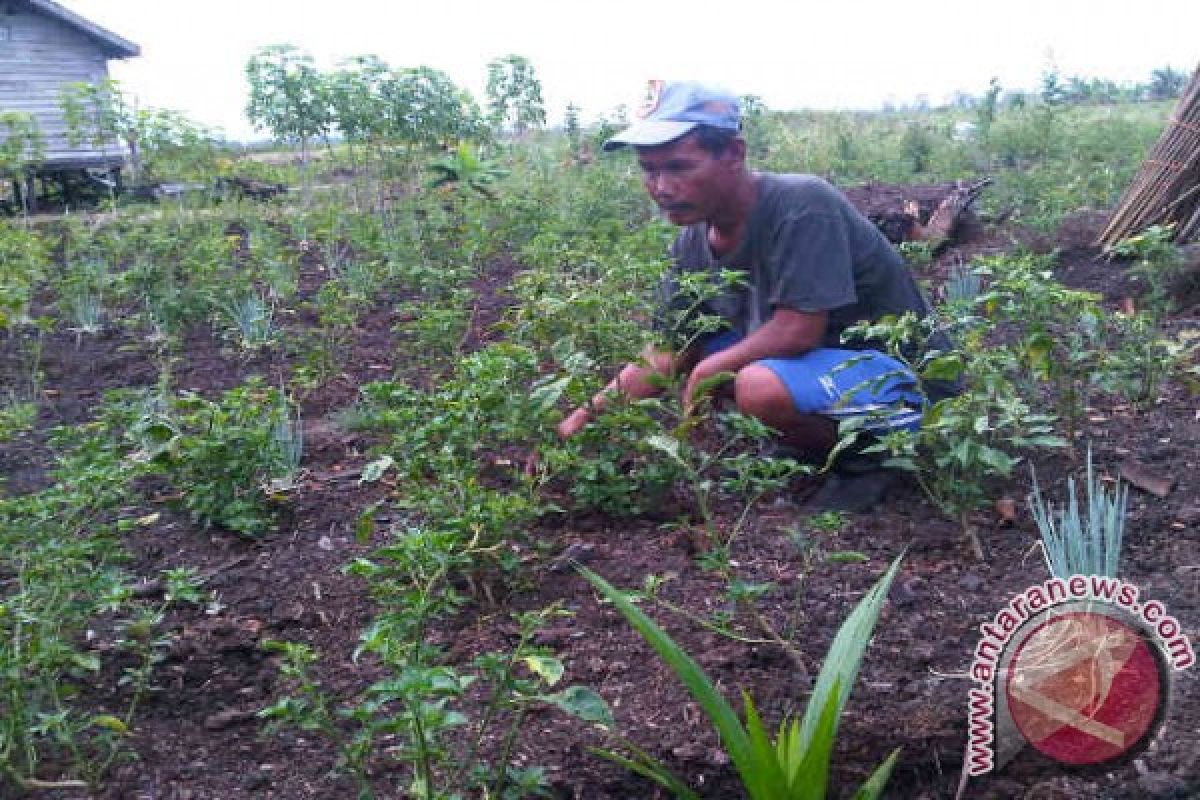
[[514, 94], [60, 559], [918, 253], [24, 260], [447, 753], [1140, 359], [965, 441], [1061, 333], [964, 444], [963, 287], [288, 97], [917, 144], [226, 458], [1087, 542], [465, 169], [252, 320], [796, 763], [22, 148], [1157, 262]]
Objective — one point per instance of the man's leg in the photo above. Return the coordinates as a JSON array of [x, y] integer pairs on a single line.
[[760, 393], [803, 397]]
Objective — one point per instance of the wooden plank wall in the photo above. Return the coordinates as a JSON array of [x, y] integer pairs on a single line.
[[38, 57]]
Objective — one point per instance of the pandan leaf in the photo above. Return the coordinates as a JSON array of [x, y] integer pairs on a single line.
[[838, 673], [718, 710]]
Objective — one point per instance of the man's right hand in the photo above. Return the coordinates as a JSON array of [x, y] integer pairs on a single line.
[[574, 422]]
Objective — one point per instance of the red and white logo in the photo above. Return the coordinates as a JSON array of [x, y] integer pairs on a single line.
[[1085, 687]]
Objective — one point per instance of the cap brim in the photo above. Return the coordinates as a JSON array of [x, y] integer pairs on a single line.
[[648, 133]]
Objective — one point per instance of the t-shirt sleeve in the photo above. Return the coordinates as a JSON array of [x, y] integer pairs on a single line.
[[666, 295], [809, 265]]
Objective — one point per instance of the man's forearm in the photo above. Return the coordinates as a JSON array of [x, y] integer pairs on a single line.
[[634, 381], [785, 335]]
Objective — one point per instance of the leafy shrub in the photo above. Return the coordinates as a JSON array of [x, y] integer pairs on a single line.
[[23, 262], [224, 457]]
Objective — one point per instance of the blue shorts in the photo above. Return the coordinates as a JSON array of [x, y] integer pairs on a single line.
[[844, 383]]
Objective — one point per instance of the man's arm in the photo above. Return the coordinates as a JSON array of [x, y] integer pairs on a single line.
[[786, 334], [635, 381]]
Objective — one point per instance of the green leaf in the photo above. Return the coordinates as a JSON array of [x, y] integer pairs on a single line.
[[547, 668], [665, 444], [838, 673], [812, 778], [364, 524], [943, 368], [546, 397], [652, 770], [846, 557], [712, 382], [110, 723], [767, 762], [875, 784], [582, 703], [374, 470]]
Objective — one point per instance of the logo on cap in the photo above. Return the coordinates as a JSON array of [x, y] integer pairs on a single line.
[[654, 90]]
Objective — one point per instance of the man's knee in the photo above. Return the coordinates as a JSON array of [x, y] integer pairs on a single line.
[[760, 393]]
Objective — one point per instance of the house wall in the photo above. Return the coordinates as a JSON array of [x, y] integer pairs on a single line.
[[39, 56]]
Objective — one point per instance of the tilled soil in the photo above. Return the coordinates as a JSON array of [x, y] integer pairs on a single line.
[[196, 737]]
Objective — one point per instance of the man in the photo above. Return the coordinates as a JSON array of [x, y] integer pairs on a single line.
[[813, 266]]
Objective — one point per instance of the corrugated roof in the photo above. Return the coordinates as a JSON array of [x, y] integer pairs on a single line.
[[114, 46]]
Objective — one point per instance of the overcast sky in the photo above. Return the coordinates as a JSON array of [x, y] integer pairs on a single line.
[[797, 54]]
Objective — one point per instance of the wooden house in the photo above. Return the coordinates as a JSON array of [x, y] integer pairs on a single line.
[[43, 48]]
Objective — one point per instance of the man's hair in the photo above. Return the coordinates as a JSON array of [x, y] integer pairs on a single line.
[[715, 141]]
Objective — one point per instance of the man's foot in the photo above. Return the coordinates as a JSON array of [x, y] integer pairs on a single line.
[[852, 491]]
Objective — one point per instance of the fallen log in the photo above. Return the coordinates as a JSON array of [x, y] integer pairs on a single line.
[[943, 222], [255, 190]]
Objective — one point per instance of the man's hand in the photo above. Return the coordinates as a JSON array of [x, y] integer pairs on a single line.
[[574, 422], [706, 369]]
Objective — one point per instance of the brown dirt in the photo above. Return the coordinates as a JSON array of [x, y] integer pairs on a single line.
[[192, 742]]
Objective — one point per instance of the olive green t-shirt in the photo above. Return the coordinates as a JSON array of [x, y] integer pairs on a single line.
[[805, 248]]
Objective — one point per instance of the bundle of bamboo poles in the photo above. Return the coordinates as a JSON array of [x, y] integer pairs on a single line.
[[1166, 190]]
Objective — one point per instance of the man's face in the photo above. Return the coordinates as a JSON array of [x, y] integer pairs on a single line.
[[686, 181]]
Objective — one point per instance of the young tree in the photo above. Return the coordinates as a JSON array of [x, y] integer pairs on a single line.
[[514, 94], [1166, 83], [357, 99], [572, 128], [427, 110], [21, 148], [101, 113], [288, 96], [174, 146]]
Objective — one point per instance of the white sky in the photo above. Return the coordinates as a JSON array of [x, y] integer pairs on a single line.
[[797, 54]]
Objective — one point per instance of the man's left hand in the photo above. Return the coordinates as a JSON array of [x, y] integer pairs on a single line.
[[693, 391]]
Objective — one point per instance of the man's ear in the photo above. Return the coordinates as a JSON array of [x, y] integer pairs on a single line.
[[737, 150]]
